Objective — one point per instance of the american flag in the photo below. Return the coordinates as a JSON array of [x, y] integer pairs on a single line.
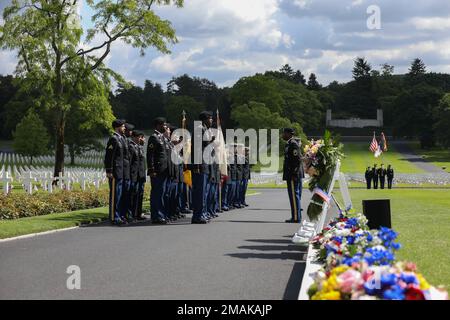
[[374, 145]]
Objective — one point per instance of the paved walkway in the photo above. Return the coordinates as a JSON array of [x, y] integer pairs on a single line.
[[408, 153], [243, 254]]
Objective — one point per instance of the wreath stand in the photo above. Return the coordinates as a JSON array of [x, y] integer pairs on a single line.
[[309, 229]]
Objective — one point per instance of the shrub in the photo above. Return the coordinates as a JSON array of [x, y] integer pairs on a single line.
[[19, 205]]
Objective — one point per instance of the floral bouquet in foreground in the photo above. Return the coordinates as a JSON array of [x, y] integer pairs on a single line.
[[320, 159], [347, 240], [360, 281]]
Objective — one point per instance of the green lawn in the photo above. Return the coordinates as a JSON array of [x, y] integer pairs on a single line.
[[422, 219], [440, 157], [358, 158]]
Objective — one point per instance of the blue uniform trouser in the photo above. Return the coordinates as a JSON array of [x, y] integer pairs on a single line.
[[231, 192], [140, 186], [225, 190], [212, 198], [126, 194], [199, 194], [157, 194], [172, 188], [133, 199], [244, 185], [294, 187], [115, 198], [237, 193], [180, 197]]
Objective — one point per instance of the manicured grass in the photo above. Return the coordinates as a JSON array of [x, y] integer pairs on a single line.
[[13, 228], [438, 156], [422, 219], [358, 158]]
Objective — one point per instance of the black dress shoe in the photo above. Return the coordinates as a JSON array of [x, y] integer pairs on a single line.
[[292, 221], [141, 218], [160, 221], [246, 204], [186, 211], [199, 221]]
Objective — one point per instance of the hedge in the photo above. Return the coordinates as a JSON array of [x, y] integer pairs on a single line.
[[20, 205]]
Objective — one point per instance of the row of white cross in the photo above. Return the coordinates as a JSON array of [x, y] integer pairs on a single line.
[[34, 179], [88, 158]]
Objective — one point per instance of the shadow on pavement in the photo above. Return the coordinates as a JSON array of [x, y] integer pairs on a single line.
[[295, 281]]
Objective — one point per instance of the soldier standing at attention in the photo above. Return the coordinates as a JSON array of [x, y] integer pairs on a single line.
[[293, 173], [114, 158], [127, 215], [157, 169], [368, 176], [134, 174], [142, 177], [375, 176], [382, 175], [200, 169], [390, 176], [245, 177]]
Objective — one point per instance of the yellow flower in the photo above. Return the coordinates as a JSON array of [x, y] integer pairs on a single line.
[[306, 149], [332, 295], [424, 285]]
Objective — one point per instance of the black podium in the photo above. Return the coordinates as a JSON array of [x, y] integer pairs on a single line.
[[378, 213]]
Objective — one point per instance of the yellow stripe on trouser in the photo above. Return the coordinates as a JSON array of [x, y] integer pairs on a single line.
[[113, 199], [294, 202]]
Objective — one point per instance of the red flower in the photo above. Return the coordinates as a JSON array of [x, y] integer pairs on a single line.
[[410, 266], [413, 292]]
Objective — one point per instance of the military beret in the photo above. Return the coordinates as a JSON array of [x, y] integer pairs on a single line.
[[159, 120], [289, 130], [205, 115], [118, 123], [129, 126]]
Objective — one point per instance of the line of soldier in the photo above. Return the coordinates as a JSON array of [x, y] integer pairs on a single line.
[[170, 196], [125, 167], [375, 175]]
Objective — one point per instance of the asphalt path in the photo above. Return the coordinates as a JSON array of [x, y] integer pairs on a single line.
[[243, 254]]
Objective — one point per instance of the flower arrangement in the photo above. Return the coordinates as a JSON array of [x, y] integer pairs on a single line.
[[359, 264], [360, 281], [320, 159]]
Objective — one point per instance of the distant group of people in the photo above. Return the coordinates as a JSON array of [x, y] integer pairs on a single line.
[[377, 176], [206, 193]]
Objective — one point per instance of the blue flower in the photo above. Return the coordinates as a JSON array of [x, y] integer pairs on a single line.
[[409, 278], [369, 237], [388, 280], [395, 293], [350, 240]]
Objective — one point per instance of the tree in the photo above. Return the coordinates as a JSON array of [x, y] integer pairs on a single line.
[[362, 69], [417, 68], [31, 137], [299, 78], [258, 88], [313, 84], [47, 36], [176, 105], [442, 118], [413, 113], [387, 70]]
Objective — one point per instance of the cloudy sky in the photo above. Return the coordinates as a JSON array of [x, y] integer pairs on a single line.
[[223, 40]]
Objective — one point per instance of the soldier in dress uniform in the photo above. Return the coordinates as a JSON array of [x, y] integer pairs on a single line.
[[293, 173], [228, 183], [390, 176], [240, 161], [368, 176], [245, 177], [142, 176], [137, 175], [375, 176], [114, 166], [158, 170], [200, 171], [127, 194], [382, 176]]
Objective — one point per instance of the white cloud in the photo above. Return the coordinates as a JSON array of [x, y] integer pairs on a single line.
[[435, 23]]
